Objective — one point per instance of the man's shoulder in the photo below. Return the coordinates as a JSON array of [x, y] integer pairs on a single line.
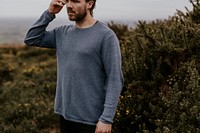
[[104, 28], [103, 25]]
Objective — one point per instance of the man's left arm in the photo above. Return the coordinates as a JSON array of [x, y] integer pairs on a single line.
[[111, 56]]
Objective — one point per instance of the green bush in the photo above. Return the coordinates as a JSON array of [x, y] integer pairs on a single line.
[[161, 68]]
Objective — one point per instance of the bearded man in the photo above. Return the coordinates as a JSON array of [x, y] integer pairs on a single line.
[[89, 74]]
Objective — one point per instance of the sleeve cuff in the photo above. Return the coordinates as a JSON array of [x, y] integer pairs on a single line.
[[105, 121], [107, 116], [50, 15]]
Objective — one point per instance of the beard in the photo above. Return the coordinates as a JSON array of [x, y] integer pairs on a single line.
[[73, 16]]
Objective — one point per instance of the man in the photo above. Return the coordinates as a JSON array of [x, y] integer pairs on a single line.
[[89, 75]]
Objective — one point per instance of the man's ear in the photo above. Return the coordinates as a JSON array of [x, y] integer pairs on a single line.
[[90, 3]]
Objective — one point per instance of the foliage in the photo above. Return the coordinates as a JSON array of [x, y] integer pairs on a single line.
[[161, 94], [161, 67], [27, 90]]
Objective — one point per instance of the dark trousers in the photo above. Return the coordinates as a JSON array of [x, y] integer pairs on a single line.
[[74, 127]]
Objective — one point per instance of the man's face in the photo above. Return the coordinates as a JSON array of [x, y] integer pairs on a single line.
[[76, 9]]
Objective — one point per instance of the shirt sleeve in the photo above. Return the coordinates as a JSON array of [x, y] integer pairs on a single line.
[[111, 57], [37, 34]]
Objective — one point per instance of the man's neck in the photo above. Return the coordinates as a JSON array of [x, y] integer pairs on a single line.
[[86, 22]]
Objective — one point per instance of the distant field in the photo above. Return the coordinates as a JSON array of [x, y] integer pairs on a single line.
[[12, 31]]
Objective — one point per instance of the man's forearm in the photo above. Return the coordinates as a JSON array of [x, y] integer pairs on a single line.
[[36, 33]]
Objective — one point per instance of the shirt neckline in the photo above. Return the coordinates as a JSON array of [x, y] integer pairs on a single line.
[[76, 28]]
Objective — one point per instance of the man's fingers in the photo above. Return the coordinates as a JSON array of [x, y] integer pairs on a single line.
[[59, 3], [103, 128], [56, 6]]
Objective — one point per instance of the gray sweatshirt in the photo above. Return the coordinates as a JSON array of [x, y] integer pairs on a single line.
[[89, 75]]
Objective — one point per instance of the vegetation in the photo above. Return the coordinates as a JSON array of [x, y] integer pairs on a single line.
[[161, 94], [27, 87]]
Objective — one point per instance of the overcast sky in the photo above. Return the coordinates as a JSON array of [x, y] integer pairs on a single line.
[[105, 9]]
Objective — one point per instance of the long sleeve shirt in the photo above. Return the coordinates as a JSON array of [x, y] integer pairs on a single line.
[[89, 75]]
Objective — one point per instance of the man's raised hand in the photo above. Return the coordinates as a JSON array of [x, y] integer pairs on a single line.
[[56, 6]]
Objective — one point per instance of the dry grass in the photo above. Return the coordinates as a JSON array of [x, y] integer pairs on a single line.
[[16, 46]]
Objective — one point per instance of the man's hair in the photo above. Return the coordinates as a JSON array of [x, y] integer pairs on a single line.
[[93, 6]]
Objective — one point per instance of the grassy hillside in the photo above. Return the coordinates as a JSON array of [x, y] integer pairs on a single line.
[[161, 94], [27, 87]]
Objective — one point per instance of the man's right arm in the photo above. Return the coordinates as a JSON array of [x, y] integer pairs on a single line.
[[37, 34]]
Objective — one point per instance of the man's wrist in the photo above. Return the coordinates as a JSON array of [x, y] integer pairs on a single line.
[[53, 14], [104, 121]]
